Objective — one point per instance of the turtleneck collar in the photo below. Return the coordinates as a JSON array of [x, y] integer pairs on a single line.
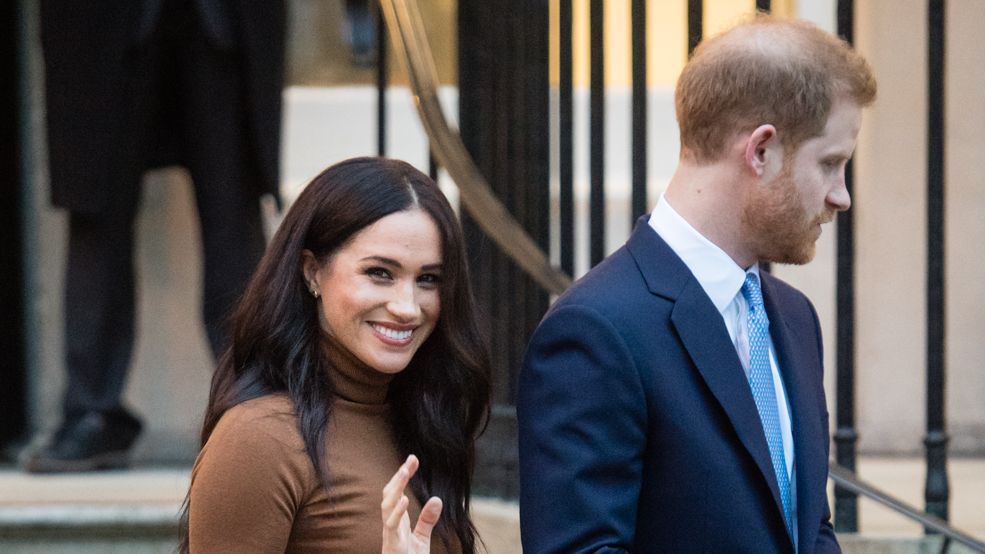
[[353, 380]]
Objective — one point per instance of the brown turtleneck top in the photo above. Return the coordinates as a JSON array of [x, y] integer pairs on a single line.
[[254, 488]]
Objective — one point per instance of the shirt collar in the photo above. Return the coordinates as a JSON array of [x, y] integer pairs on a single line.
[[716, 272]]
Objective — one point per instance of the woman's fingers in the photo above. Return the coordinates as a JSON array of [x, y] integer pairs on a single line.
[[399, 512], [393, 508], [394, 489], [430, 514], [397, 536]]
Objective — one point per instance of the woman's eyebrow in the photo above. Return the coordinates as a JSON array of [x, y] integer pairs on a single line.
[[394, 263], [382, 260]]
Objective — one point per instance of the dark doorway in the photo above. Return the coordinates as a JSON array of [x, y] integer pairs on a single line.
[[13, 372]]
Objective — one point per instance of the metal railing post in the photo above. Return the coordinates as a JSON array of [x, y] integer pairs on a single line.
[[639, 202], [566, 193], [381, 83], [845, 436], [597, 131], [695, 24], [936, 491]]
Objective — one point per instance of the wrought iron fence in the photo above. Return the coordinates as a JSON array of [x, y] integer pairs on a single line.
[[467, 175]]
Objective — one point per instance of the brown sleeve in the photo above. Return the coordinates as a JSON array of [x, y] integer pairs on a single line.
[[248, 482]]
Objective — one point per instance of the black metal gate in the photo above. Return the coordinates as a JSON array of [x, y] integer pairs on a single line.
[[503, 114], [504, 122]]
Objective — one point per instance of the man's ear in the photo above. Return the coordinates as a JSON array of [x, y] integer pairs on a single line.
[[309, 268], [758, 147]]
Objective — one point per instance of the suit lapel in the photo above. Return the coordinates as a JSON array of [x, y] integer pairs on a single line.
[[714, 356], [797, 368], [706, 340]]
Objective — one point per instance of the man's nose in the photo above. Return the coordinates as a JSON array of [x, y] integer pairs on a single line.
[[838, 197]]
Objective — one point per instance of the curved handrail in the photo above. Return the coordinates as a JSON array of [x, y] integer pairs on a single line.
[[846, 479], [407, 33]]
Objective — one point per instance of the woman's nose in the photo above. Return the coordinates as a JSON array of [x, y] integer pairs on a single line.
[[403, 305]]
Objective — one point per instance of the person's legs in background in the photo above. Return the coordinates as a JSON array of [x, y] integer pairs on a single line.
[[186, 102], [223, 168], [96, 431]]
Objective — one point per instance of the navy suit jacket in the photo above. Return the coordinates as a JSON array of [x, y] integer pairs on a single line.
[[638, 431]]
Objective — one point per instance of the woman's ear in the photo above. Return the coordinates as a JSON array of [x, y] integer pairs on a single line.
[[309, 269]]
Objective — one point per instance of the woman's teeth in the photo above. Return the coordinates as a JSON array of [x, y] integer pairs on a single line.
[[393, 333]]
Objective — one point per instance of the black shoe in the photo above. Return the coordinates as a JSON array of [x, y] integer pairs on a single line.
[[88, 442]]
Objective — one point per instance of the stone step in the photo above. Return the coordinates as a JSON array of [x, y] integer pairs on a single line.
[[152, 529], [136, 511], [88, 528], [864, 544]]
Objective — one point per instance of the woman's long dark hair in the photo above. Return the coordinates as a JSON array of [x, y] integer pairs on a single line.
[[438, 403]]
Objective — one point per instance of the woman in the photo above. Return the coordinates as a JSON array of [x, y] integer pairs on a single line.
[[354, 346]]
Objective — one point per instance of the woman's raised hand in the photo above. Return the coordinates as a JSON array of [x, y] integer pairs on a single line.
[[397, 537]]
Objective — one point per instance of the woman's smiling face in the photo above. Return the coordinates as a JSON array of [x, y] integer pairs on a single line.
[[379, 293]]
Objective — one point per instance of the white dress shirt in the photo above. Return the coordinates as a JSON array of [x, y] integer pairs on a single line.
[[722, 279]]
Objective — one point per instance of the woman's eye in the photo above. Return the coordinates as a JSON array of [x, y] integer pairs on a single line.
[[429, 279], [379, 273]]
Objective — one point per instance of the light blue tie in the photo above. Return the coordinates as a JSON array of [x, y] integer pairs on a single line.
[[761, 383]]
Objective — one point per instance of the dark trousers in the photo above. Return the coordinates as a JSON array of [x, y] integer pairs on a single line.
[[190, 92]]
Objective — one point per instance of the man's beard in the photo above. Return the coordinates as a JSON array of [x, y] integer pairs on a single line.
[[780, 228]]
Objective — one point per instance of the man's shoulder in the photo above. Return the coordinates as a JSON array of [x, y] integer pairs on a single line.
[[615, 277], [614, 291]]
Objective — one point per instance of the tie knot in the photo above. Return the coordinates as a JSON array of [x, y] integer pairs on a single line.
[[751, 291]]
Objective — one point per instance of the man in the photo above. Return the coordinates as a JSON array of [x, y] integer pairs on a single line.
[[133, 85], [663, 407]]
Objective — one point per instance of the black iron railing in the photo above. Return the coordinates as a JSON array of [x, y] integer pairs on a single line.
[[407, 32], [513, 240], [847, 480]]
